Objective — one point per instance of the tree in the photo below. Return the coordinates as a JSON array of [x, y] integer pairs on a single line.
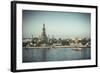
[[84, 41], [65, 42]]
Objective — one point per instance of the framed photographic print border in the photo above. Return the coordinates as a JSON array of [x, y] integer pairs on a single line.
[[14, 34]]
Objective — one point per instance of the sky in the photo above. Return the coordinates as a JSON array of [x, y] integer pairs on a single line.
[[57, 24]]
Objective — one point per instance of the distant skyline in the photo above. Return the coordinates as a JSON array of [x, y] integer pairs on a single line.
[[57, 24]]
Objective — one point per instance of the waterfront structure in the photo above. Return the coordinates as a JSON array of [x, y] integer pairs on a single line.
[[44, 41]]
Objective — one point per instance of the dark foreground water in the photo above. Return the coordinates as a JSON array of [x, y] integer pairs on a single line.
[[55, 54]]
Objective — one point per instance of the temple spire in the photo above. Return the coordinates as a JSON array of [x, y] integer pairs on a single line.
[[44, 25], [44, 33], [44, 38]]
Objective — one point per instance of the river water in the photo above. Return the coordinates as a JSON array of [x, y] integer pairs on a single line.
[[54, 54]]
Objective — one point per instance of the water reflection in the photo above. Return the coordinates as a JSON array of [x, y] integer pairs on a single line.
[[55, 54]]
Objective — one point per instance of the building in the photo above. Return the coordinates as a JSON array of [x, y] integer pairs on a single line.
[[43, 37]]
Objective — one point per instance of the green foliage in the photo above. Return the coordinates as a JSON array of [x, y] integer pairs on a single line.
[[84, 41], [65, 42]]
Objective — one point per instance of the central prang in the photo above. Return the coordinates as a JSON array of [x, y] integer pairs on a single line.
[[43, 37]]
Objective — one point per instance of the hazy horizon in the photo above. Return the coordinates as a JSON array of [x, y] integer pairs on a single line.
[[57, 24]]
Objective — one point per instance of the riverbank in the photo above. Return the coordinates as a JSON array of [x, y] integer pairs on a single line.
[[47, 47]]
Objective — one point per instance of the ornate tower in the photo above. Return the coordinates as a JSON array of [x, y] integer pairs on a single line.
[[44, 38], [44, 33]]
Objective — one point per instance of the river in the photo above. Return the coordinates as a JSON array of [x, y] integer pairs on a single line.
[[54, 54]]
